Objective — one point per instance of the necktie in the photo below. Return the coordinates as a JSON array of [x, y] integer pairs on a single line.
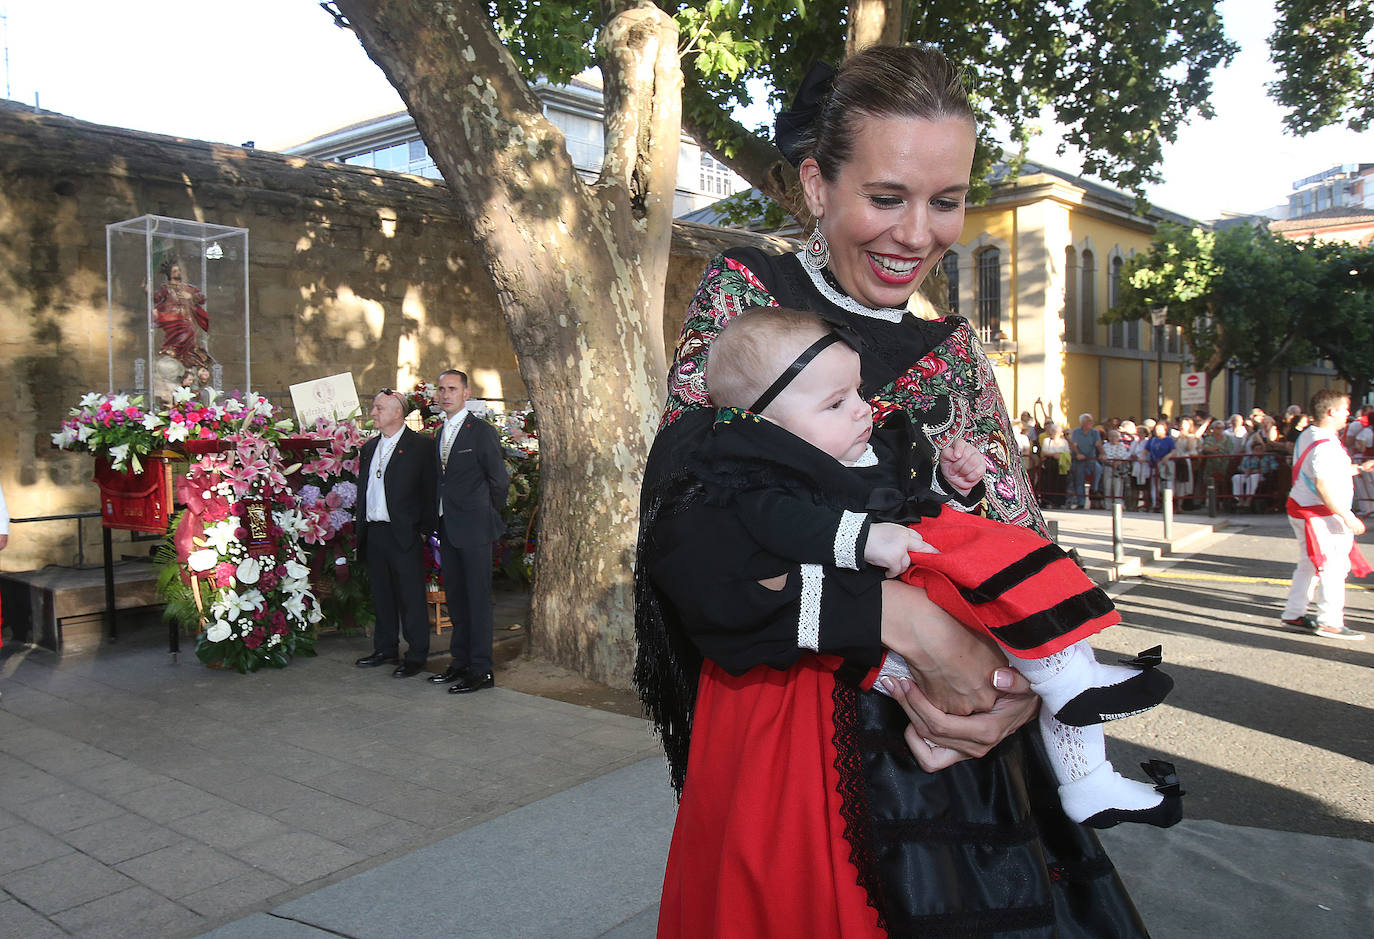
[[449, 431]]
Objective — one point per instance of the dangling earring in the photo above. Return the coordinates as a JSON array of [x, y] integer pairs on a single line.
[[817, 254]]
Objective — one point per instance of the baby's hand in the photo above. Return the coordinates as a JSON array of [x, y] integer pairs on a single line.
[[962, 465], [890, 545]]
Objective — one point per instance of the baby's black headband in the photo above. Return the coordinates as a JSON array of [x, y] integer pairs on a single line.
[[795, 369]]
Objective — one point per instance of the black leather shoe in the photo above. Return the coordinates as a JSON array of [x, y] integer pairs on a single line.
[[406, 669], [452, 673], [474, 681], [375, 659]]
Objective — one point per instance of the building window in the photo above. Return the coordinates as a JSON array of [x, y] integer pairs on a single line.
[[989, 264], [1118, 334], [1070, 295], [408, 156], [950, 265], [716, 178], [582, 136], [1087, 308]]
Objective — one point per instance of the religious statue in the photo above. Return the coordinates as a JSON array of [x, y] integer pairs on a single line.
[[179, 311]]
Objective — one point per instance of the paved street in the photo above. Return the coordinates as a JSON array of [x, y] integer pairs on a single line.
[[142, 798]]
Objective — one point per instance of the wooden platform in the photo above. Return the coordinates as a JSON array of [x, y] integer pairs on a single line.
[[59, 606]]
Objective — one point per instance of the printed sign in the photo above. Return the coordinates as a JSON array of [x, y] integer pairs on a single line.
[[1193, 388], [333, 397]]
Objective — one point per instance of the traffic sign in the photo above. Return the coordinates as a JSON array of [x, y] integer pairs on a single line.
[[1193, 388]]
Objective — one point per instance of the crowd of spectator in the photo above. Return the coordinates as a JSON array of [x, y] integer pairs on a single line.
[[1246, 459]]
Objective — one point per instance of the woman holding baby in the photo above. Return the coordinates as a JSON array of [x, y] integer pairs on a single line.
[[810, 806]]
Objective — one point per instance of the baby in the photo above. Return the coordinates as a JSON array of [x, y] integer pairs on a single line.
[[787, 387]]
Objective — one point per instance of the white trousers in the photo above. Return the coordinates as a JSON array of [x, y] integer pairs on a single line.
[[1326, 586]]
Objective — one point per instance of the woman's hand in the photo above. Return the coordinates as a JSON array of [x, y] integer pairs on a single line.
[[937, 739], [950, 661]]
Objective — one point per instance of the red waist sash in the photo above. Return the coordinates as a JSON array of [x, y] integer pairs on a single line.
[[1309, 514]]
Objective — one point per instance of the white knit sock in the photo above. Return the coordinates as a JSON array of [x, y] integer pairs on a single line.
[[1088, 784], [1062, 676]]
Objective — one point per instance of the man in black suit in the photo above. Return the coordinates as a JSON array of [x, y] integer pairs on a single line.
[[395, 513], [472, 492]]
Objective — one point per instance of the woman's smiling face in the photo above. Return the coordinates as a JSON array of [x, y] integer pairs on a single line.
[[895, 207]]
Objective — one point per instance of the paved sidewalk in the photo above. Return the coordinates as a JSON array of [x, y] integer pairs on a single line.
[[144, 798], [140, 798]]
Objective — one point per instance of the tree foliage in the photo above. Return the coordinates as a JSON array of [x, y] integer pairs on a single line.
[[1322, 50], [1247, 297], [1121, 75]]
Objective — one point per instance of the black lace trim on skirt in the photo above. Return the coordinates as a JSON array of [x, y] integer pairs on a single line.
[[854, 793]]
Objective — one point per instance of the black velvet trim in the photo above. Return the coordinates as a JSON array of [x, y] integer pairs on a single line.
[[1013, 574], [1060, 619], [931, 830], [853, 792], [980, 922]]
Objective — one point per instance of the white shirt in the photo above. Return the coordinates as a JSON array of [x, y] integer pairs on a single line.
[[1328, 462], [376, 471], [4, 515]]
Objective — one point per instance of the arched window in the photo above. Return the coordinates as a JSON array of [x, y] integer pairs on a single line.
[[1087, 307], [989, 264], [1116, 332], [950, 265], [1070, 294]]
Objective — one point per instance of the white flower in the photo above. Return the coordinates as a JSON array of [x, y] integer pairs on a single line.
[[120, 402], [119, 454], [295, 606], [218, 631], [175, 432], [65, 437], [151, 420], [84, 431], [182, 394], [249, 570], [202, 560], [220, 535], [254, 598], [229, 605], [91, 399], [275, 640]]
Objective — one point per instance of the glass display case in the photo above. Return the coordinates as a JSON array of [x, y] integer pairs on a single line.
[[178, 306]]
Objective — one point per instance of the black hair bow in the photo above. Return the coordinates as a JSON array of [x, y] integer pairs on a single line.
[[793, 126]]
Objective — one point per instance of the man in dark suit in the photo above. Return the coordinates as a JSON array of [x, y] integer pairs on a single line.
[[395, 513], [472, 492]]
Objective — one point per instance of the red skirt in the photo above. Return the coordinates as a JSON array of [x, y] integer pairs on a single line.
[[758, 849], [1009, 582]]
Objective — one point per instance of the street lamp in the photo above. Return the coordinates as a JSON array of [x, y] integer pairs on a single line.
[[1158, 317]]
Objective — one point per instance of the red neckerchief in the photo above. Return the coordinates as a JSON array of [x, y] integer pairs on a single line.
[[1309, 513]]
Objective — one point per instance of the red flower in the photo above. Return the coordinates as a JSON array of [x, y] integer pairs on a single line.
[[931, 366]]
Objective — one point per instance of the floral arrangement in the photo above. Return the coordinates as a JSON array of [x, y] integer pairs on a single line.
[[325, 500], [520, 441], [119, 428], [252, 602]]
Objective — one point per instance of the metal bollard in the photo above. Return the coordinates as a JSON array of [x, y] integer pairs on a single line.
[[1169, 510], [1087, 496], [1118, 545], [1211, 497]]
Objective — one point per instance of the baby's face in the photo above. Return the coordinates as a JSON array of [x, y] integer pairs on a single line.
[[822, 405]]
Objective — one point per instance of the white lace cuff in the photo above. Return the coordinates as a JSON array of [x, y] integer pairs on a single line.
[[847, 539], [809, 623]]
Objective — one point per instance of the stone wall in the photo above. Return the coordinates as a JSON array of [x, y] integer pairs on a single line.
[[351, 269]]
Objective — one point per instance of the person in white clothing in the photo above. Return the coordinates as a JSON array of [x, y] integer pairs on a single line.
[[1319, 509]]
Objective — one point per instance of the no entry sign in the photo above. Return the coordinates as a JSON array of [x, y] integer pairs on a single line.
[[1193, 388]]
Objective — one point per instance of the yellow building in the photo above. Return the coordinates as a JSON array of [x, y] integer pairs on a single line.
[[1035, 268]]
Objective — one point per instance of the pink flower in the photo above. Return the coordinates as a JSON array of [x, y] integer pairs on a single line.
[[225, 573]]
